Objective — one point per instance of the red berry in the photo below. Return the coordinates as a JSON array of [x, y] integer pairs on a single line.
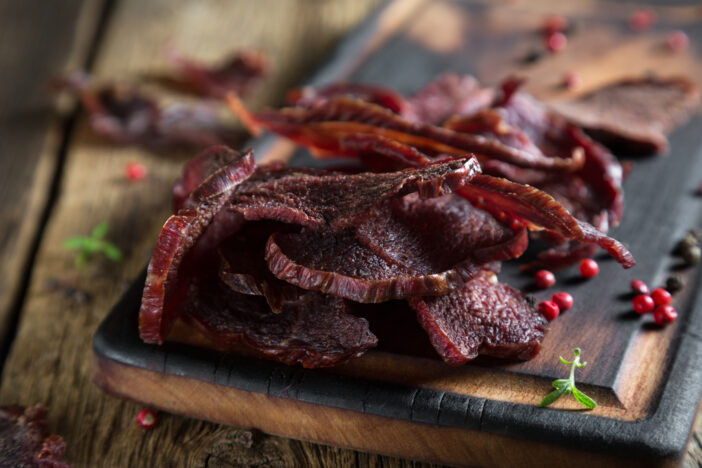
[[544, 279], [642, 20], [556, 42], [135, 171], [665, 314], [589, 268], [661, 297], [555, 23], [516, 224], [639, 287], [549, 310], [677, 41], [643, 304], [563, 300], [147, 418], [572, 80]]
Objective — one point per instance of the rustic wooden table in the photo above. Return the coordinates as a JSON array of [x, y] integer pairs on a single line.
[[57, 180]]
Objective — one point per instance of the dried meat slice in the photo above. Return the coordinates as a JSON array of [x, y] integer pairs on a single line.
[[183, 238], [25, 439], [482, 317], [447, 95], [241, 73], [409, 247], [122, 114], [323, 127], [633, 116], [384, 97], [315, 330]]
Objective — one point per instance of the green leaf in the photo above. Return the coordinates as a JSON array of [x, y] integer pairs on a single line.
[[111, 251], [100, 230], [576, 351], [584, 399], [564, 361], [551, 397], [82, 259], [75, 243], [560, 383]]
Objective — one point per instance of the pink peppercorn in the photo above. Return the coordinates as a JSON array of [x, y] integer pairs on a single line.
[[642, 20], [639, 287], [135, 171], [147, 418], [544, 279], [643, 304], [549, 310], [563, 300], [661, 297], [556, 42], [589, 268], [677, 41], [555, 23], [665, 314], [572, 80]]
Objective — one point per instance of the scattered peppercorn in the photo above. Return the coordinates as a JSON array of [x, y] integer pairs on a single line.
[[691, 255], [532, 57], [556, 42], [563, 300], [689, 241], [516, 225], [674, 283], [665, 314], [639, 287], [135, 171], [643, 304], [544, 279], [572, 80], [147, 418], [642, 20], [661, 297], [589, 268], [549, 310], [677, 41]]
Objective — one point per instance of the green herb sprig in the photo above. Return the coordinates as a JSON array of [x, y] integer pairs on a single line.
[[92, 245], [567, 386]]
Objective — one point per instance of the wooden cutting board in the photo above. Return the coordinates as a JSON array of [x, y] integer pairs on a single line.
[[397, 400]]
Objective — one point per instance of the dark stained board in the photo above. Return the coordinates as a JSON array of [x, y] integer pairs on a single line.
[[645, 378]]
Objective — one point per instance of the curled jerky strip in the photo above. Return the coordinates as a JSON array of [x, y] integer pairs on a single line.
[[324, 126], [167, 274]]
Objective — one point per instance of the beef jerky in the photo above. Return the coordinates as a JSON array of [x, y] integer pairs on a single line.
[[25, 439], [447, 95], [124, 115], [240, 74], [633, 116], [482, 317], [315, 330], [301, 197], [324, 126], [409, 247], [384, 97], [183, 238]]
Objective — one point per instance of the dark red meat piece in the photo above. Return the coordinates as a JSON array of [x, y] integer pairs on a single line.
[[175, 254], [315, 330], [240, 74], [124, 115], [310, 97], [25, 439], [410, 247], [633, 116], [323, 127], [447, 95], [482, 317]]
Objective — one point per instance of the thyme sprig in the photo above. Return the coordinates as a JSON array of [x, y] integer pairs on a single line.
[[89, 246], [567, 386]]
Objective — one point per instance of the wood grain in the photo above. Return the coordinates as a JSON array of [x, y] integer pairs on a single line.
[[37, 41]]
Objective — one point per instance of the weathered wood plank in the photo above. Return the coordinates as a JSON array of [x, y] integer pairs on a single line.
[[37, 40]]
